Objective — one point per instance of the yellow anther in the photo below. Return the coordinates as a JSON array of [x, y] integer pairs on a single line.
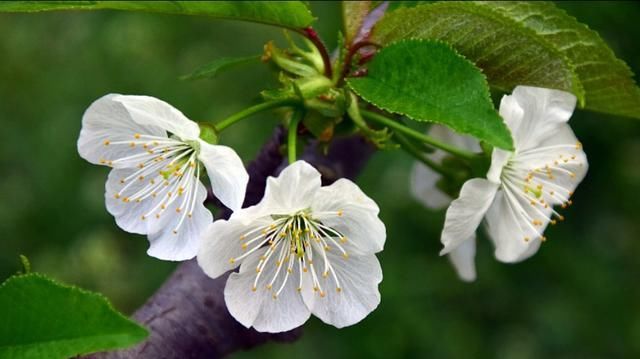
[[338, 289], [138, 200], [325, 274], [253, 289], [175, 232], [569, 202], [526, 239], [275, 296], [158, 215], [190, 215], [141, 178], [343, 239], [154, 195], [178, 210], [543, 238], [322, 294], [122, 181], [145, 146], [551, 193], [305, 270], [106, 142], [244, 246], [132, 145], [163, 206], [561, 218], [269, 286], [103, 162], [125, 199], [116, 196], [327, 248], [143, 218], [289, 270], [258, 270], [141, 165], [340, 212], [242, 237], [137, 136], [299, 289], [315, 289], [345, 255], [232, 260], [553, 221]]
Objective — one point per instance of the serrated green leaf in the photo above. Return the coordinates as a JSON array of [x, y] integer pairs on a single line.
[[353, 14], [218, 66], [607, 80], [508, 53], [44, 319], [290, 14], [429, 81]]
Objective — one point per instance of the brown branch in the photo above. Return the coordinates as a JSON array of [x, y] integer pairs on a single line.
[[187, 317]]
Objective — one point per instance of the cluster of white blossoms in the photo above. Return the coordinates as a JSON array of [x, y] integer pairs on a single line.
[[517, 198], [303, 249], [307, 249]]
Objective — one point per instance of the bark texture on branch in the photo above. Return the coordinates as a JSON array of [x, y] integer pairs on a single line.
[[187, 316]]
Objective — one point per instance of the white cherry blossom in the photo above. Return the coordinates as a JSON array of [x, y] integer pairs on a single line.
[[157, 158], [304, 249], [517, 198]]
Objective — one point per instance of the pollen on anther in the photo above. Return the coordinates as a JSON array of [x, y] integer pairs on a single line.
[[253, 289], [141, 178], [345, 255], [190, 215], [175, 232], [244, 246], [343, 239], [322, 294], [178, 210], [257, 270], [325, 274], [527, 239], [338, 289], [137, 136], [107, 142], [340, 213], [232, 260], [116, 196], [143, 218]]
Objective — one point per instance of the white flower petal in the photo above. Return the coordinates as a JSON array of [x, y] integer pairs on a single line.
[[424, 180], [121, 202], [343, 207], [150, 111], [465, 213], [221, 244], [258, 308], [226, 171], [169, 245], [508, 226], [293, 190], [463, 259], [107, 121], [533, 114], [359, 277]]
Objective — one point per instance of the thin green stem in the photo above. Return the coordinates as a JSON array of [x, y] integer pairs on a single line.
[[415, 152], [292, 135], [222, 125], [398, 127]]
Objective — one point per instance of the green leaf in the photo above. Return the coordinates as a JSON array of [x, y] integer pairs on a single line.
[[429, 81], [220, 65], [353, 14], [524, 43], [290, 14], [44, 319], [607, 80], [508, 53]]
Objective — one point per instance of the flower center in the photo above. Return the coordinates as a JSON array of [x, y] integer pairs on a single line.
[[295, 242], [535, 180], [165, 177]]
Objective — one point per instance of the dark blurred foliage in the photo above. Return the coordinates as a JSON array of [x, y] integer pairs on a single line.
[[579, 297]]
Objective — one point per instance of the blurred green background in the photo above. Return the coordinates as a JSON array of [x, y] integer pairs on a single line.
[[579, 297]]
